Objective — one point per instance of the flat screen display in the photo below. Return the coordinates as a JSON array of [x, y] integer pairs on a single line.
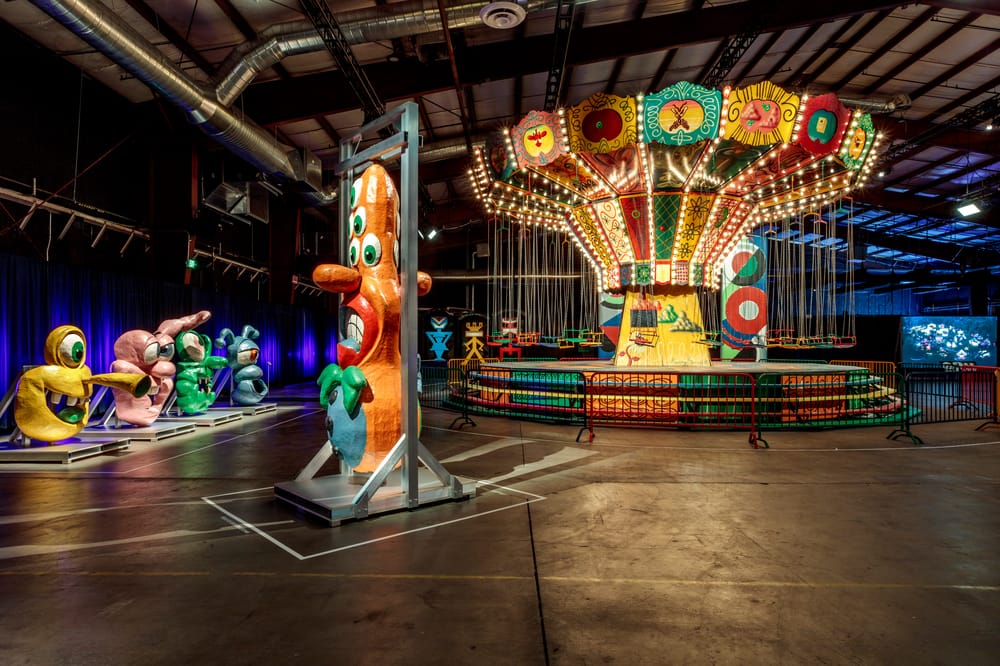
[[961, 339]]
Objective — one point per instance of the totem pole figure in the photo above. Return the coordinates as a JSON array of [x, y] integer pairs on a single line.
[[144, 353], [439, 336], [242, 353], [196, 367], [367, 391], [52, 401]]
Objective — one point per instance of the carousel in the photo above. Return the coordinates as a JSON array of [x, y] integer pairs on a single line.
[[710, 224]]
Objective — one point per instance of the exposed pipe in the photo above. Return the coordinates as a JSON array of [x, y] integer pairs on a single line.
[[206, 106], [380, 23], [100, 27], [877, 105]]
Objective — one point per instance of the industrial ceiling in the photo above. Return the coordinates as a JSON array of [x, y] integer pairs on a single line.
[[279, 82]]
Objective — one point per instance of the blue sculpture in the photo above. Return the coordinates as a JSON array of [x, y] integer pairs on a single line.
[[341, 393], [242, 353]]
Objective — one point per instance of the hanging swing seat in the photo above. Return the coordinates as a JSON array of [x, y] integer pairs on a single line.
[[550, 341], [526, 338], [591, 338], [498, 339], [819, 342], [647, 337], [711, 339], [780, 337], [843, 341]]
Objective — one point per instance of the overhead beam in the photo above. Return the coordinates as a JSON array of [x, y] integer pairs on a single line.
[[969, 257], [324, 93], [910, 205], [174, 37]]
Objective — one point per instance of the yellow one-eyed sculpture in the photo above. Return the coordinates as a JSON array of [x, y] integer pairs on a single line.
[[53, 400]]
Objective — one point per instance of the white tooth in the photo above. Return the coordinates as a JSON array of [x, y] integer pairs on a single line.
[[153, 390], [54, 397], [71, 400]]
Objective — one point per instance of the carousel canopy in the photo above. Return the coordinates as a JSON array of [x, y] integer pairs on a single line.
[[659, 188]]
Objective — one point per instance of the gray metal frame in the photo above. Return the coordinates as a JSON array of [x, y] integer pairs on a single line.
[[331, 498]]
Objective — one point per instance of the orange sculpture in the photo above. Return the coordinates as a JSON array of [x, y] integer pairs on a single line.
[[370, 319]]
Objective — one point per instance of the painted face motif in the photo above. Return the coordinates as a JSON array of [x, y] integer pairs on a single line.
[[370, 284], [760, 115], [53, 400], [858, 140]]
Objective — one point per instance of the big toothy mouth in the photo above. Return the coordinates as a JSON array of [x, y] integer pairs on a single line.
[[67, 408], [354, 327], [359, 330]]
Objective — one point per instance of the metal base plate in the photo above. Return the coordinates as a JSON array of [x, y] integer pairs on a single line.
[[331, 498], [152, 433], [259, 408], [210, 419], [65, 451]]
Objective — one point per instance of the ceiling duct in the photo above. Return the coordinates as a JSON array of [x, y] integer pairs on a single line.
[[100, 27], [877, 105], [247, 201], [380, 23]]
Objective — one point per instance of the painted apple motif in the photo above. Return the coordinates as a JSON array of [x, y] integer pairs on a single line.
[[602, 125]]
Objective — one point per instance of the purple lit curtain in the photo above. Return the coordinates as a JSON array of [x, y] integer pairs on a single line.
[[35, 297]]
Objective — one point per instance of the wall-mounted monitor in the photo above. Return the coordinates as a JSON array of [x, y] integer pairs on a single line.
[[958, 339]]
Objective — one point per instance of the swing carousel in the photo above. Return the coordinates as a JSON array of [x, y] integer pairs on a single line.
[[682, 204]]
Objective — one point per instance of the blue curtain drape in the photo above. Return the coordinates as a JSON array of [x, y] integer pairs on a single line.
[[35, 297]]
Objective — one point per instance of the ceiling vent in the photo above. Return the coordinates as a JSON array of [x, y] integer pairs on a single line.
[[502, 15]]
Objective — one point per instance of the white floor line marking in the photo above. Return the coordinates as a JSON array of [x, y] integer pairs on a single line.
[[486, 448], [418, 529], [487, 482], [213, 444], [291, 551], [255, 529]]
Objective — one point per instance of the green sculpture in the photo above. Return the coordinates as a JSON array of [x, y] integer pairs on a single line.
[[195, 369]]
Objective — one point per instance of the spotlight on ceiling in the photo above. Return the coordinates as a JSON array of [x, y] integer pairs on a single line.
[[967, 209], [431, 233]]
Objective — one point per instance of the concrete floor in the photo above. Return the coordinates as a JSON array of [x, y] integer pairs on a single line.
[[645, 547]]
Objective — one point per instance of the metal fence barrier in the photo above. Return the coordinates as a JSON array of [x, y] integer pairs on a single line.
[[704, 400], [952, 393], [871, 395]]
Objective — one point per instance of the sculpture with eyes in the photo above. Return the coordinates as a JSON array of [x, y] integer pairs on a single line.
[[142, 352], [363, 393], [195, 371], [52, 401], [242, 353]]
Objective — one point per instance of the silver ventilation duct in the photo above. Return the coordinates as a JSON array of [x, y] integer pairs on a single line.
[[877, 105], [381, 23], [100, 27]]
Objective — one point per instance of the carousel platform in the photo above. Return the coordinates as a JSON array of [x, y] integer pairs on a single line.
[[734, 395]]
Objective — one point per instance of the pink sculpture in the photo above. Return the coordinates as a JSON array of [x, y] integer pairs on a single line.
[[142, 352]]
